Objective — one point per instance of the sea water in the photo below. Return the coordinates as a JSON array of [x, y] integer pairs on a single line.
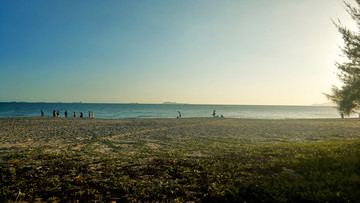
[[116, 111]]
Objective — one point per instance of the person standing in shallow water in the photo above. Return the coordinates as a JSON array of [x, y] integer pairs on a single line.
[[54, 113], [74, 114], [58, 113], [89, 114], [42, 113], [66, 114], [81, 115], [214, 113]]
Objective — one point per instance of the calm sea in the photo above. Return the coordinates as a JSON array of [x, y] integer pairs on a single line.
[[114, 111]]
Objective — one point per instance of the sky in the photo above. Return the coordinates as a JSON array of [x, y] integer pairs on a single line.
[[279, 52]]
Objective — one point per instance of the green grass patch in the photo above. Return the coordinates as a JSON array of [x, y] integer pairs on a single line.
[[290, 172]]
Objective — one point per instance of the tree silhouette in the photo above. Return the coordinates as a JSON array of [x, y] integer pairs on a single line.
[[347, 97]]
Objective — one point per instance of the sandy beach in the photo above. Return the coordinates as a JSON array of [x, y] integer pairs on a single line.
[[192, 159], [194, 136]]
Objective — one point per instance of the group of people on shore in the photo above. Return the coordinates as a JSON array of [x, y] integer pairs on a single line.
[[91, 114], [217, 116], [213, 114], [57, 114]]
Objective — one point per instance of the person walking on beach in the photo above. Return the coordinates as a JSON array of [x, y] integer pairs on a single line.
[[66, 114], [54, 113], [74, 114], [81, 115], [42, 113]]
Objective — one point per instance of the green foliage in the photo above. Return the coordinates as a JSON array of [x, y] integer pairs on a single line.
[[320, 172], [347, 97]]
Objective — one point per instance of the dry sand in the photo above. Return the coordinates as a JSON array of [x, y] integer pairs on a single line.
[[190, 135]]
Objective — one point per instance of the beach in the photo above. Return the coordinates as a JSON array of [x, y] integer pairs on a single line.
[[195, 136], [192, 159]]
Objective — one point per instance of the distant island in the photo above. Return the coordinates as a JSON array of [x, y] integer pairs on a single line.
[[172, 103], [324, 104]]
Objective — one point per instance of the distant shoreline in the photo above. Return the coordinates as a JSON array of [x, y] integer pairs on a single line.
[[168, 110], [185, 118]]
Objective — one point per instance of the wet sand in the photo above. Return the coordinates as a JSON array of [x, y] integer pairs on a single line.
[[190, 135]]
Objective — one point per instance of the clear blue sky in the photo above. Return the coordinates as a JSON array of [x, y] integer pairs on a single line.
[[205, 52]]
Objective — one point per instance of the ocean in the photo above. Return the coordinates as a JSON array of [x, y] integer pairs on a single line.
[[120, 111]]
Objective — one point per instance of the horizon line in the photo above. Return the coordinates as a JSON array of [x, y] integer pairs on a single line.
[[172, 103]]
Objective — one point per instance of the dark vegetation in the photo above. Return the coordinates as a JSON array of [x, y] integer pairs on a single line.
[[291, 172]]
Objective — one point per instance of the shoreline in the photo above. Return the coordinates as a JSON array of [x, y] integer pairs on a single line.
[[127, 111], [86, 118]]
